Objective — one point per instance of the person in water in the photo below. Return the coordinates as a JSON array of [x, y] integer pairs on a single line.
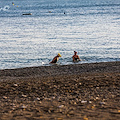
[[56, 58], [75, 57]]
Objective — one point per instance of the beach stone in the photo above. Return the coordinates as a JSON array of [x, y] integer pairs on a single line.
[[61, 106], [23, 107], [90, 102], [4, 97], [15, 85], [102, 103], [97, 98], [83, 101], [85, 118], [37, 99], [24, 96]]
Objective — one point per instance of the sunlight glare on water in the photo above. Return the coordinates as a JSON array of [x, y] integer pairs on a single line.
[[91, 28]]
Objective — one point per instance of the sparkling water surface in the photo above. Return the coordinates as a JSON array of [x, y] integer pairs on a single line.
[[91, 27]]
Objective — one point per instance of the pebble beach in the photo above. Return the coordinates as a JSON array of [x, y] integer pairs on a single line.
[[89, 91]]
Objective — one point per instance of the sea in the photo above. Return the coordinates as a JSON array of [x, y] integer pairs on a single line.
[[33, 32]]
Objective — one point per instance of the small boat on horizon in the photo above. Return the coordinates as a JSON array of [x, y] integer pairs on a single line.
[[27, 14]]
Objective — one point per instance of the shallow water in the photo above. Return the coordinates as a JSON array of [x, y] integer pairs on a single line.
[[89, 27]]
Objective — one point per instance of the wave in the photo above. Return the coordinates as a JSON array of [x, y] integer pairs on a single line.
[[5, 8]]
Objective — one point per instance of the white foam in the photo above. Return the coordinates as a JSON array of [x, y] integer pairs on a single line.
[[5, 8]]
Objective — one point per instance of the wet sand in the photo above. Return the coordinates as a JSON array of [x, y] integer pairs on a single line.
[[61, 92]]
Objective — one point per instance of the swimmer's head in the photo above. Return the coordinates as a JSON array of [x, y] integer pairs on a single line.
[[59, 55], [75, 52]]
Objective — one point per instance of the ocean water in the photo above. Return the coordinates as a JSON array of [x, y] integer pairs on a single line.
[[91, 27]]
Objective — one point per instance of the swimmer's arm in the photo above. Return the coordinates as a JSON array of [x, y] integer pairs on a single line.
[[79, 58], [73, 58]]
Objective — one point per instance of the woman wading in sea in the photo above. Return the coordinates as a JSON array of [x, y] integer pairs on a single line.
[[75, 57], [56, 58]]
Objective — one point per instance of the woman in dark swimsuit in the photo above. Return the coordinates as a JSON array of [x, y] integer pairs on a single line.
[[75, 57]]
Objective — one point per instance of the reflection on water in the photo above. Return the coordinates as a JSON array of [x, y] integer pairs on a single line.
[[90, 28]]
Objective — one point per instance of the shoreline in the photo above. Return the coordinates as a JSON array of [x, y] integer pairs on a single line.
[[67, 92], [54, 69]]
